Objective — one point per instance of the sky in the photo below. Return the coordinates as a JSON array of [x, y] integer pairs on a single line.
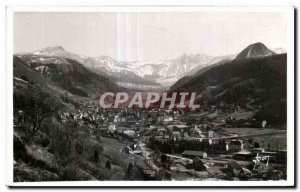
[[131, 36]]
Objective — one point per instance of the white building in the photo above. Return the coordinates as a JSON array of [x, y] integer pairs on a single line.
[[112, 127]]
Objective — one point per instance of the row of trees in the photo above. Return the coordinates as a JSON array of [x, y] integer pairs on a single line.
[[172, 146]]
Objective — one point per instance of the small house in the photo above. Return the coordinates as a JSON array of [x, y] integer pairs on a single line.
[[236, 145], [176, 135], [199, 164], [211, 134]]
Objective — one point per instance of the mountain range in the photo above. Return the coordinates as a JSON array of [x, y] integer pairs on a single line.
[[140, 75]]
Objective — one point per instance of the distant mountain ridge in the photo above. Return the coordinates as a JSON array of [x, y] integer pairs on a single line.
[[145, 75], [170, 71], [103, 65], [160, 74], [279, 50]]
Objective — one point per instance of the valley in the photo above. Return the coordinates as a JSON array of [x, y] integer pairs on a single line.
[[62, 133]]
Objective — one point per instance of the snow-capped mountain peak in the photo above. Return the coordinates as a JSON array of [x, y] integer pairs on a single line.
[[52, 49], [56, 50]]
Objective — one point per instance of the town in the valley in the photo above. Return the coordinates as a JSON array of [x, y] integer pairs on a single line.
[[215, 142], [67, 128]]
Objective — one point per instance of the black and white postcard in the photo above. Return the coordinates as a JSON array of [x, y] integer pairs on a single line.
[[150, 96]]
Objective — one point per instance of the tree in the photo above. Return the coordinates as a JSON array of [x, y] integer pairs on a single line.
[[250, 140], [38, 105], [108, 164], [256, 145], [129, 171]]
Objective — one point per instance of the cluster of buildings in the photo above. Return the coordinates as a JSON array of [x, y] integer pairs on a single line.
[[224, 158]]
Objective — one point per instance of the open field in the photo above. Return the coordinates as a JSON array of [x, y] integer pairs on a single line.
[[266, 137], [241, 114], [248, 131], [274, 142]]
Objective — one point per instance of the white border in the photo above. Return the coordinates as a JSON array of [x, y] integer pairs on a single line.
[[290, 94]]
